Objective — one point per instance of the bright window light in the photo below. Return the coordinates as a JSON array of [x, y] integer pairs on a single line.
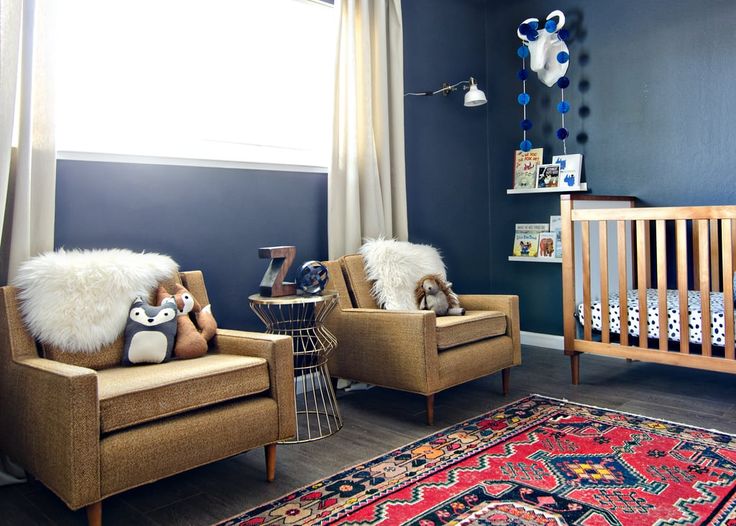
[[226, 80]]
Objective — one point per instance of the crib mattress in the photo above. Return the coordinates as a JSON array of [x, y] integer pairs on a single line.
[[717, 324]]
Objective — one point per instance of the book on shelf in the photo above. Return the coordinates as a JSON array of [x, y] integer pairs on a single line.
[[526, 238], [526, 244], [555, 228], [570, 170], [525, 168], [547, 241], [548, 176]]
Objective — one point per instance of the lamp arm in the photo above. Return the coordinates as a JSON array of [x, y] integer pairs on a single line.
[[444, 89]]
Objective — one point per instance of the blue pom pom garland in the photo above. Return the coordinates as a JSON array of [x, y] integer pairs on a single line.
[[550, 26], [562, 134], [563, 82], [562, 57], [525, 145], [523, 99], [523, 51], [526, 125], [563, 106]]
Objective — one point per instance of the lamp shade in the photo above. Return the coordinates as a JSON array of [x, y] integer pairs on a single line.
[[474, 96]]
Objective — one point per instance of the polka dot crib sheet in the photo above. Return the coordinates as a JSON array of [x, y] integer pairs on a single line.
[[673, 315]]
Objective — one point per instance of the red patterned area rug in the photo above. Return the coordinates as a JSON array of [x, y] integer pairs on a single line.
[[537, 461]]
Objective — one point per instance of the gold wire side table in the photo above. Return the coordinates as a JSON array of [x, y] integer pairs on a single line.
[[302, 318]]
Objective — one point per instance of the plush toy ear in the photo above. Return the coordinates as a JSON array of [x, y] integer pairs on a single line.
[[138, 301], [169, 300]]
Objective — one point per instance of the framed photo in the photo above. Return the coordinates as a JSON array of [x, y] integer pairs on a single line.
[[570, 170], [548, 175], [525, 167], [547, 244]]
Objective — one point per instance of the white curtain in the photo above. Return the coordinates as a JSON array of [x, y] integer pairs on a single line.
[[28, 183], [28, 172], [366, 181]]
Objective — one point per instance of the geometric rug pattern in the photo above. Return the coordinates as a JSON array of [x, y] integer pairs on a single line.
[[538, 461]]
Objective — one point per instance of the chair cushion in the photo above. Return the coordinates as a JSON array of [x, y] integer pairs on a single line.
[[475, 325], [133, 395]]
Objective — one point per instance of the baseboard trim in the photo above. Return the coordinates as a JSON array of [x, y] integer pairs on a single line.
[[540, 339]]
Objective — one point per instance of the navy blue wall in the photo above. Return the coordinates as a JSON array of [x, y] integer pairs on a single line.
[[205, 218], [446, 143], [660, 77]]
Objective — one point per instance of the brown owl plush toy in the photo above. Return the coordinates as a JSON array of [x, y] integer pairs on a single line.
[[434, 293]]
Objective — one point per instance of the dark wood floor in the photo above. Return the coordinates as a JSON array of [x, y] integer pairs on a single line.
[[378, 420]]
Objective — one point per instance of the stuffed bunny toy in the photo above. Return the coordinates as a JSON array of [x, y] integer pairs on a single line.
[[434, 293]]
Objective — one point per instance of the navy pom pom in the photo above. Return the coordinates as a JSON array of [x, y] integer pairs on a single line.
[[526, 125], [523, 74], [562, 57], [533, 35], [524, 29], [562, 134], [563, 34], [550, 26], [525, 145], [563, 82]]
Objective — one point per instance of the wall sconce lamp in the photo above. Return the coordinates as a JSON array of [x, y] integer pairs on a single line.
[[473, 97]]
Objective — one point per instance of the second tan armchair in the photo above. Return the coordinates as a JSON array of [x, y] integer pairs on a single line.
[[414, 350]]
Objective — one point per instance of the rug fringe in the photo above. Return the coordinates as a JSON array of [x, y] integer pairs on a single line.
[[690, 426]]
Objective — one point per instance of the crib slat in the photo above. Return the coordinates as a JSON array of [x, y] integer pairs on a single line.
[[642, 226], [622, 285], [733, 244], [696, 254], [715, 271], [603, 259], [726, 250], [681, 235], [647, 252], [585, 240], [662, 283], [704, 254]]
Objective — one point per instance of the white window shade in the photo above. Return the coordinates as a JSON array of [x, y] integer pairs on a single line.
[[226, 80]]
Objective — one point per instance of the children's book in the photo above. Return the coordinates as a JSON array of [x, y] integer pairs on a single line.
[[532, 227], [548, 175], [526, 244], [525, 167], [547, 242], [558, 243], [555, 223], [570, 170]]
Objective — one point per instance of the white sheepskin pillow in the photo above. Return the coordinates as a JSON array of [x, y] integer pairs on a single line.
[[78, 300], [395, 267]]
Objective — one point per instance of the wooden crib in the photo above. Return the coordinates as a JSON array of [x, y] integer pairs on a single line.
[[613, 250]]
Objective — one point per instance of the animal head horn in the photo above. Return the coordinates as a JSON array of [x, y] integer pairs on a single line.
[[560, 15], [522, 36]]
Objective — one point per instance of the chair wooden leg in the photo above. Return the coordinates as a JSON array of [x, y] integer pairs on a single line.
[[430, 409], [270, 462], [505, 376], [575, 368], [94, 514]]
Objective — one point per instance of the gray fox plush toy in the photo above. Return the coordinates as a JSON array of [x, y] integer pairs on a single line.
[[434, 293]]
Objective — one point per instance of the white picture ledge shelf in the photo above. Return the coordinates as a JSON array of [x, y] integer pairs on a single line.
[[530, 259], [558, 190]]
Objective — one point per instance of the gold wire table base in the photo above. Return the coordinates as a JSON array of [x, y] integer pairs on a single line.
[[302, 318]]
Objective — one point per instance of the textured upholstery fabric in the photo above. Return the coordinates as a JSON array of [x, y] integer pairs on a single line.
[[193, 280], [337, 283], [133, 395], [48, 412], [277, 351], [107, 357], [474, 360], [400, 349], [475, 325], [360, 287], [161, 448], [50, 416]]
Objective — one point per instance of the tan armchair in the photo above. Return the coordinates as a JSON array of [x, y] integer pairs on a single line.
[[88, 432], [414, 350]]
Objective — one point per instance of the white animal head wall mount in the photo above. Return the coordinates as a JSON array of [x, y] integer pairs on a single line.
[[549, 56]]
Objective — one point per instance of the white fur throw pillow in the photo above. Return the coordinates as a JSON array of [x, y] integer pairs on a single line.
[[395, 267], [78, 300]]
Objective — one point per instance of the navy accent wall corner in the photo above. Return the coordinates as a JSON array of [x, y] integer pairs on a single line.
[[657, 79], [213, 219], [446, 143]]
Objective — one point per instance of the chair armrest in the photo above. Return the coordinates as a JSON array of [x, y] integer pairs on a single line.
[[506, 303], [396, 349], [277, 351], [52, 424]]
